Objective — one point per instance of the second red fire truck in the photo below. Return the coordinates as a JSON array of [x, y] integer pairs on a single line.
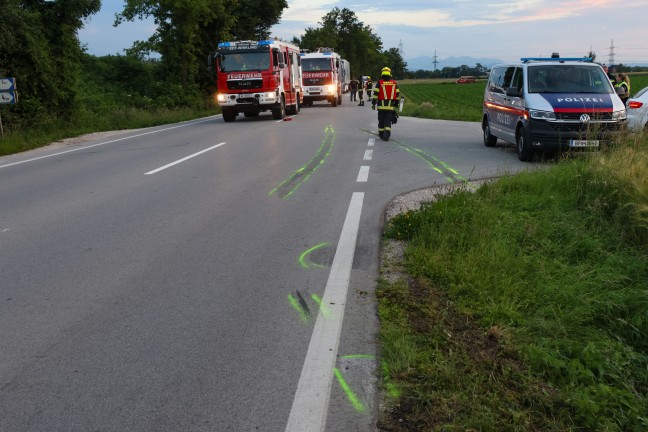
[[323, 71]]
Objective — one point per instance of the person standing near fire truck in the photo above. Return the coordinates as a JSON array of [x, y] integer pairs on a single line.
[[386, 96]]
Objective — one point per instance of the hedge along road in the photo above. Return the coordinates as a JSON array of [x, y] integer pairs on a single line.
[[209, 276]]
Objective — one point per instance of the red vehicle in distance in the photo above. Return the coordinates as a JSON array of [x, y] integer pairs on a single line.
[[466, 80]]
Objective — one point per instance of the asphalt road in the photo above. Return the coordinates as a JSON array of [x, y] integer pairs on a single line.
[[207, 276]]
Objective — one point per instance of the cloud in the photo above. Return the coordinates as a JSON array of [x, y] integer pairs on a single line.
[[457, 14]]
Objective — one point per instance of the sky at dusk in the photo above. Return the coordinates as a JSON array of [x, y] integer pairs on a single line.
[[503, 29]]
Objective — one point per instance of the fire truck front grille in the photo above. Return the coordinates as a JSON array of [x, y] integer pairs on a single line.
[[314, 81], [244, 84]]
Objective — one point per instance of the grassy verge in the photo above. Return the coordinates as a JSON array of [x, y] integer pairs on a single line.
[[525, 308], [84, 122]]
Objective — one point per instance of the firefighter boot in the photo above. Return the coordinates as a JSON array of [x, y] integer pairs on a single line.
[[386, 135], [380, 134]]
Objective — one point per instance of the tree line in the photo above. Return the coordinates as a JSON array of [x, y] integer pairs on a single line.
[[58, 80]]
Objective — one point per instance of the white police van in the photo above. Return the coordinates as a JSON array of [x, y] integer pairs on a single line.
[[550, 105]]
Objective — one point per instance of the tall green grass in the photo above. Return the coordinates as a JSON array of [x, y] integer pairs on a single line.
[[530, 306]]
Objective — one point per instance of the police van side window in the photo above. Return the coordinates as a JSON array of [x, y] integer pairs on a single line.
[[500, 79], [508, 77], [518, 79], [495, 81]]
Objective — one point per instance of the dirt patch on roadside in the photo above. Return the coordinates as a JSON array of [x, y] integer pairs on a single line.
[[94, 136]]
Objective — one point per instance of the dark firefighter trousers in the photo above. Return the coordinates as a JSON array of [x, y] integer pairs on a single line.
[[385, 120]]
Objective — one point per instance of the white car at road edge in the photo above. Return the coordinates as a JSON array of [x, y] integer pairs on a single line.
[[637, 110]]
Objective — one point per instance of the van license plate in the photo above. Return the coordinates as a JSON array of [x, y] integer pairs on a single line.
[[583, 143]]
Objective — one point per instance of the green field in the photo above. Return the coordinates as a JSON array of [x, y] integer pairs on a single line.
[[443, 100], [446, 100]]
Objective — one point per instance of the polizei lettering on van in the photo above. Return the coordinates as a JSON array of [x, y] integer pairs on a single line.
[[504, 119], [581, 100], [562, 103]]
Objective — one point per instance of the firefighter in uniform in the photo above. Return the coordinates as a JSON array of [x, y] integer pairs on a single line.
[[386, 96], [362, 88]]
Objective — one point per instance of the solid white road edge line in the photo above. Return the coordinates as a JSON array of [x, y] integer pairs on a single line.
[[106, 142], [363, 174], [368, 155], [310, 406], [183, 159]]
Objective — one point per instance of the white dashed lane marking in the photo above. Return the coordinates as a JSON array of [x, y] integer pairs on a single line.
[[363, 175]]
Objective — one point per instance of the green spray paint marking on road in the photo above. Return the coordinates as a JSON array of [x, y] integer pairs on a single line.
[[437, 165], [358, 356], [307, 263], [431, 160], [292, 183], [294, 302], [359, 406], [325, 312]]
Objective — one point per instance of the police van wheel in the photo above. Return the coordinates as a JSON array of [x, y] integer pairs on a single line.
[[489, 140], [525, 154]]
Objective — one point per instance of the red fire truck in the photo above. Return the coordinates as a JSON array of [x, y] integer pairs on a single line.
[[257, 76], [322, 76]]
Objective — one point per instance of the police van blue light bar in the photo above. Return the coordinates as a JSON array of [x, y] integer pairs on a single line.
[[558, 59]]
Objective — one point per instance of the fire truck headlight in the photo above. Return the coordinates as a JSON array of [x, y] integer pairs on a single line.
[[270, 95], [330, 88], [220, 98]]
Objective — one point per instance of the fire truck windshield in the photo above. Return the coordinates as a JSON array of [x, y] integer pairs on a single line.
[[316, 64], [244, 61]]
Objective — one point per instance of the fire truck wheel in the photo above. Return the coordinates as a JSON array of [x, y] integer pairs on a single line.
[[229, 115], [279, 113], [334, 101]]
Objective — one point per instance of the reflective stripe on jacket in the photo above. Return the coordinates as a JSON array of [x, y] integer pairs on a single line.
[[386, 94]]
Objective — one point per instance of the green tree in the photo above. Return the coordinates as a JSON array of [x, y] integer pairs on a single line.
[[317, 37], [189, 30], [255, 17], [40, 48], [395, 62], [182, 36], [341, 30]]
